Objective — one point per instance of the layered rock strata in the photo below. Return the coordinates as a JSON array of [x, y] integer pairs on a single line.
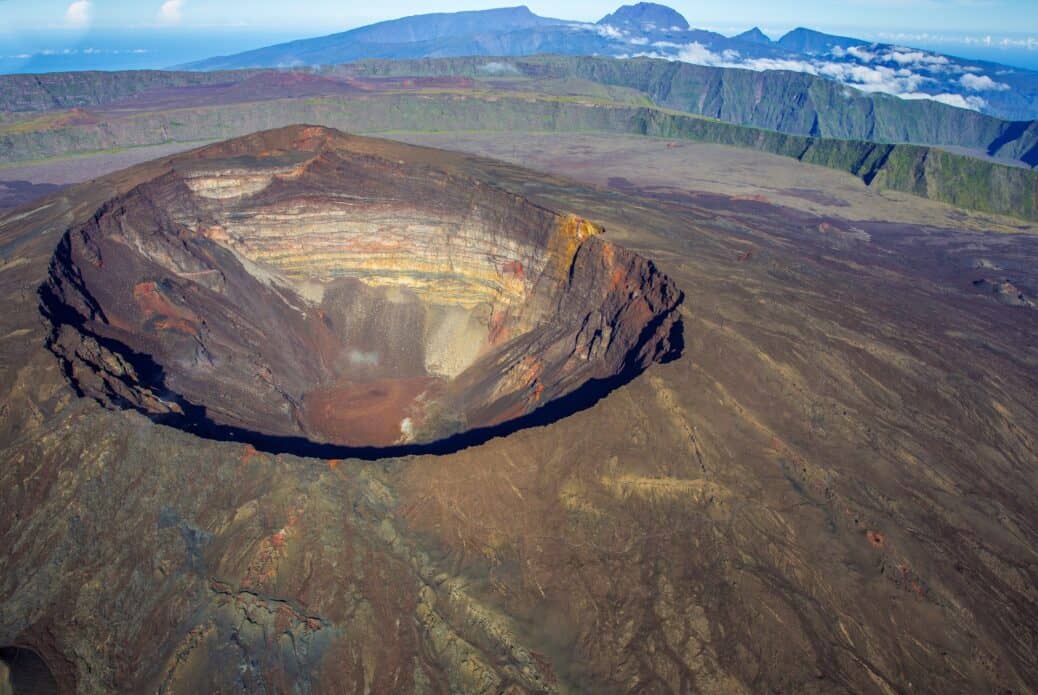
[[297, 284]]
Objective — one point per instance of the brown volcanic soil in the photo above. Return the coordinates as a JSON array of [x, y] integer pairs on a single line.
[[364, 412], [830, 491], [15, 193]]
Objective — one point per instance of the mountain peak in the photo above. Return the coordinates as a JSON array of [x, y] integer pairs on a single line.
[[517, 11], [754, 35], [803, 40], [644, 13]]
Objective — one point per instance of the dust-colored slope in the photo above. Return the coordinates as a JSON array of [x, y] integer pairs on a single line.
[[829, 492]]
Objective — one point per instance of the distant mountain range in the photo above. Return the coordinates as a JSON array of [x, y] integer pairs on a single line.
[[648, 29], [783, 101], [917, 147]]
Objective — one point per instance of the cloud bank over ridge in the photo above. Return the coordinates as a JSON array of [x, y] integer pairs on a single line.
[[903, 72]]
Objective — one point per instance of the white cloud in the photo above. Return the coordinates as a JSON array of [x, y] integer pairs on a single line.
[[909, 73], [89, 51], [910, 37], [698, 54], [861, 53], [904, 56], [78, 13], [761, 64], [898, 79], [498, 68], [981, 83], [898, 56], [1029, 42], [879, 78], [972, 103], [171, 11]]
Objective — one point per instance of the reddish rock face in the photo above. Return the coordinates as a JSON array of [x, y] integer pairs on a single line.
[[297, 286]]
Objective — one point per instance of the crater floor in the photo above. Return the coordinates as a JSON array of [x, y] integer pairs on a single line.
[[296, 285]]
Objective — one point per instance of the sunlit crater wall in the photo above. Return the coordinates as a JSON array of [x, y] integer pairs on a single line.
[[295, 284], [470, 252]]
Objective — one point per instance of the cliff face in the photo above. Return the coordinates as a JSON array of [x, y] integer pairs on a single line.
[[789, 102], [782, 113], [954, 177], [65, 90], [296, 284]]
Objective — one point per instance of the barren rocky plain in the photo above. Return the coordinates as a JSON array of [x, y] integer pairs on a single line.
[[795, 452]]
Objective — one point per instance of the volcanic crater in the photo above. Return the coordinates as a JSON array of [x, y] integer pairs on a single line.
[[308, 291]]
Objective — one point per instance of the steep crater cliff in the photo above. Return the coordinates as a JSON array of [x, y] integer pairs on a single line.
[[307, 291]]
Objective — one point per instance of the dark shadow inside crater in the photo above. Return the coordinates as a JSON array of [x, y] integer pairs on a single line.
[[195, 420], [23, 671]]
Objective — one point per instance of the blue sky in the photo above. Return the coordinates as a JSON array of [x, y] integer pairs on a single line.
[[978, 16]]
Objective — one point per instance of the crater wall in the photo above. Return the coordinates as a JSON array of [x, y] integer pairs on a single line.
[[296, 285]]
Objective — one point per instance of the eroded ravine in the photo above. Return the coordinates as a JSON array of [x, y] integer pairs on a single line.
[[297, 290]]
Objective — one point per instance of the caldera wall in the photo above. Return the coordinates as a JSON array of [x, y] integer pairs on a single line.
[[298, 284]]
